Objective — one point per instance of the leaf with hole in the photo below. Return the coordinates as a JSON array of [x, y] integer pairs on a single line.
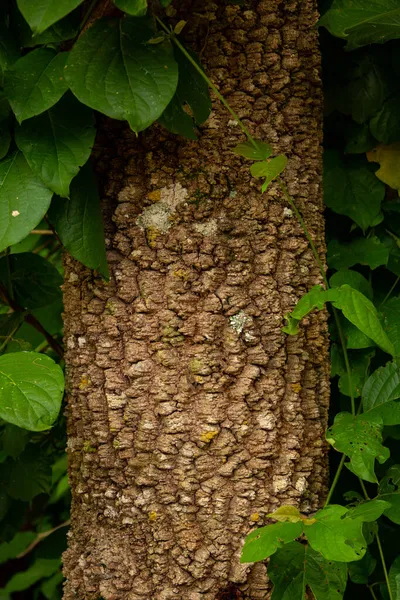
[[24, 199], [58, 142], [31, 390], [36, 82], [360, 438], [43, 14], [140, 80]]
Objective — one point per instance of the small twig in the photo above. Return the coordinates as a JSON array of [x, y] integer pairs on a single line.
[[41, 537], [386, 298], [42, 232]]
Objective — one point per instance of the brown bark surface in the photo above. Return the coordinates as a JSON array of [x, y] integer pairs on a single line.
[[191, 415]]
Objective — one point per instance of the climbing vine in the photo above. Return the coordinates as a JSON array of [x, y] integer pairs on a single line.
[[59, 67]]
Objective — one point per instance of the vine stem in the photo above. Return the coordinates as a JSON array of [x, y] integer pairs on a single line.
[[386, 298], [371, 589]]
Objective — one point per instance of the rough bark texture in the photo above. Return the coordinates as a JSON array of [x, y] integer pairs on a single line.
[[190, 414]]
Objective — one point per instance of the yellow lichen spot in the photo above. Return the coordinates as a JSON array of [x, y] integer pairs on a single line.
[[181, 274], [296, 387], [198, 379], [84, 383], [254, 517], [154, 196], [116, 444], [207, 436], [152, 234], [110, 307], [152, 516], [88, 448], [195, 365]]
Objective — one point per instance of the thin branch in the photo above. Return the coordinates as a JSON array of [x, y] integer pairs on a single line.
[[41, 537], [42, 232]]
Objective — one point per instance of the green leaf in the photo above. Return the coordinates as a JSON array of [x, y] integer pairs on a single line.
[[394, 578], [369, 510], [9, 51], [359, 365], [390, 316], [360, 570], [363, 23], [360, 438], [335, 536], [263, 542], [19, 542], [248, 150], [43, 14], [354, 280], [5, 126], [381, 392], [36, 82], [58, 142], [34, 280], [23, 200], [385, 126], [270, 170], [50, 587], [14, 439], [351, 189], [136, 8], [42, 567], [359, 139], [296, 566], [364, 251], [79, 224], [28, 475], [63, 30], [389, 490], [140, 80], [286, 513], [191, 93], [31, 390]]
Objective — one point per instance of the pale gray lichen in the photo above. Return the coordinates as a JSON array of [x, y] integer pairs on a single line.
[[287, 212], [207, 228], [239, 321], [157, 215]]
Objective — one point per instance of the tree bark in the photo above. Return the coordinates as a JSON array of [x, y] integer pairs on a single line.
[[191, 416]]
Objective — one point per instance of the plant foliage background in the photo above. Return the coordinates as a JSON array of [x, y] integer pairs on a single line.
[[49, 103]]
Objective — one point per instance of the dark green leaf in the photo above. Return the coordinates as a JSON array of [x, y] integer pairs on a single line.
[[14, 439], [140, 80], [58, 142], [359, 364], [360, 438], [28, 475], [385, 127], [364, 251], [5, 125], [63, 30], [23, 200], [359, 139], [43, 14], [354, 280], [50, 587], [390, 313], [248, 150], [394, 579], [360, 570], [20, 541], [369, 510], [352, 189], [42, 567], [36, 82], [363, 23], [9, 51], [79, 224], [389, 490], [192, 93], [31, 390], [136, 8], [295, 566], [263, 542], [34, 280], [381, 392]]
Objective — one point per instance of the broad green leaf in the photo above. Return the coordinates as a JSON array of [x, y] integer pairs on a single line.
[[286, 513], [296, 566], [79, 224], [381, 392], [31, 390], [140, 80], [369, 510], [5, 126], [58, 142], [23, 200], [36, 82], [63, 30], [262, 151], [263, 542], [136, 8], [270, 170], [354, 280], [359, 365], [49, 587], [360, 438], [385, 126], [360, 570], [394, 579], [14, 439], [42, 567], [359, 139], [28, 475], [361, 23], [351, 189], [389, 490], [19, 542], [364, 251], [9, 51], [34, 280], [390, 317], [191, 93], [389, 159], [336, 536], [43, 14]]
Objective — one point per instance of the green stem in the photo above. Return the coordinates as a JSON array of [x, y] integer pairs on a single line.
[[335, 480], [389, 292], [372, 592], [378, 541], [10, 336], [87, 14]]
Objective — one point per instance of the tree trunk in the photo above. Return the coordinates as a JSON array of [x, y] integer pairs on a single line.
[[191, 416]]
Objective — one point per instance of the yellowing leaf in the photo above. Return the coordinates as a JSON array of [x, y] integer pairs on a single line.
[[389, 159], [287, 513]]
